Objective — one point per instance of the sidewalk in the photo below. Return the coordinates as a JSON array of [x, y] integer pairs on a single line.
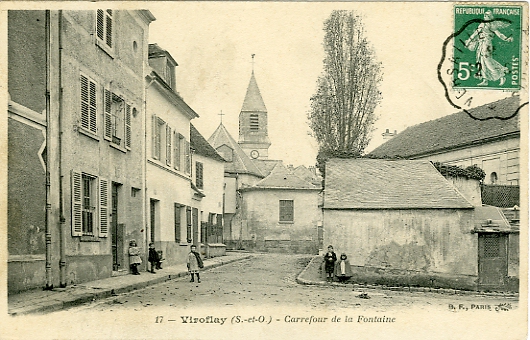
[[311, 276], [45, 301]]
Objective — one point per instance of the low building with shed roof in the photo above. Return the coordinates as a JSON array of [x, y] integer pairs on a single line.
[[402, 222]]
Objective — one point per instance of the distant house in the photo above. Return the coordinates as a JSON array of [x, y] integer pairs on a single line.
[[457, 139], [282, 213], [208, 180], [403, 217]]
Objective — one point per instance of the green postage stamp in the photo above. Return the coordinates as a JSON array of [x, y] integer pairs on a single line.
[[487, 46]]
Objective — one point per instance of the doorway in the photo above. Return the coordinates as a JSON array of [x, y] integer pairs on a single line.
[[117, 230], [153, 220], [195, 221], [492, 260]]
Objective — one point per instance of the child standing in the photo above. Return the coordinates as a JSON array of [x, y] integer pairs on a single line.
[[154, 258], [329, 263], [194, 262], [134, 257], [343, 269]]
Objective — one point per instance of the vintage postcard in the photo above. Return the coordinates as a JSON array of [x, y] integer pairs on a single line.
[[269, 170]]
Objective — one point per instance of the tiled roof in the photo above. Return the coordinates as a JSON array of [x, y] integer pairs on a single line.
[[240, 163], [265, 166], [388, 184], [201, 146], [303, 172], [453, 131], [488, 212], [281, 178], [253, 100]]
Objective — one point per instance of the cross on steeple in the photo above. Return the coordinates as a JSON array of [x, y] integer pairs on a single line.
[[253, 54], [221, 115]]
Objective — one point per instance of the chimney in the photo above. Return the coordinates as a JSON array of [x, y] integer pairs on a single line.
[[389, 135]]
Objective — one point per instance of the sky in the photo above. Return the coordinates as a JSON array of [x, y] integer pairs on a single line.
[[213, 42]]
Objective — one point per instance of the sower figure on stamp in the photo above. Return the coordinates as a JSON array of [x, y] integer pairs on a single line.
[[329, 263], [194, 263], [482, 40], [134, 257], [343, 269]]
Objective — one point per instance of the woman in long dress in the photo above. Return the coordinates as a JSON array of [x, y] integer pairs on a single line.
[[482, 40]]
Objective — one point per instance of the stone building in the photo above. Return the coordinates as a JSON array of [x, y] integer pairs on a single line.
[[76, 113], [458, 139], [168, 176]]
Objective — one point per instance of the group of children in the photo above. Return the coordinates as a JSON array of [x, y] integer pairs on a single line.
[[340, 268], [194, 261]]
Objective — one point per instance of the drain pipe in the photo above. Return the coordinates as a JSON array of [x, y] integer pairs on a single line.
[[48, 264], [62, 220]]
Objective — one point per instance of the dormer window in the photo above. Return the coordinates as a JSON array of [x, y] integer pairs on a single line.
[[170, 74]]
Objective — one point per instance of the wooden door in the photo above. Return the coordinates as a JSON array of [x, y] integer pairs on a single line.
[[492, 260], [114, 227]]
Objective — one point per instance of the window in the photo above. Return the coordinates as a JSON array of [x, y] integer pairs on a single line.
[[89, 206], [493, 178], [254, 122], [177, 222], [88, 104], [199, 175], [286, 210], [117, 120], [104, 26]]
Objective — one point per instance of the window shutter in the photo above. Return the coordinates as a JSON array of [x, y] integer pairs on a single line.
[[187, 156], [168, 145], [188, 224], [103, 207], [108, 115], [178, 150], [100, 23], [128, 127], [77, 216], [199, 175], [93, 111], [177, 222], [108, 33], [85, 103], [154, 123]]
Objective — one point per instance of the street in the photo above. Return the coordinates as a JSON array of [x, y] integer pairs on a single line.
[[270, 280], [260, 298]]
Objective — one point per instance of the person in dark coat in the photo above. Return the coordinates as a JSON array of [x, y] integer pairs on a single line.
[[329, 263], [343, 269], [153, 258]]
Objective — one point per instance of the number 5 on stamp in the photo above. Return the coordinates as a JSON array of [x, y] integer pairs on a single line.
[[487, 47]]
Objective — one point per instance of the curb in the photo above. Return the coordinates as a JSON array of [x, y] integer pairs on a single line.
[[81, 297], [301, 280]]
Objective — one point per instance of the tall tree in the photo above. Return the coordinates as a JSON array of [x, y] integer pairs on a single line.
[[342, 109]]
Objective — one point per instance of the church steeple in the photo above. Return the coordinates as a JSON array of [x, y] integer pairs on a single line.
[[253, 131]]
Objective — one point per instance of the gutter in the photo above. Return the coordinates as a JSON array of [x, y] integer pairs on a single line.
[[48, 217]]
